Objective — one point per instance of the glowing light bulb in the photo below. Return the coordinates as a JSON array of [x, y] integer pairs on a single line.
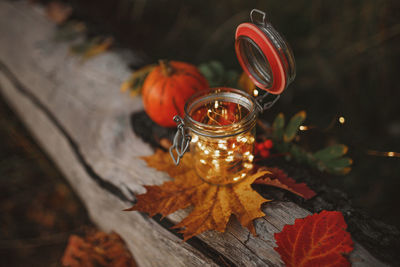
[[236, 178], [229, 158], [203, 161], [217, 152], [247, 153], [303, 128], [216, 163], [222, 146], [243, 175], [206, 151], [216, 104], [255, 92], [342, 120], [241, 139], [390, 154], [195, 139], [248, 165], [251, 158]]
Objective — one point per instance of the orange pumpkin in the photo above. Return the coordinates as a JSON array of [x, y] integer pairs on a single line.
[[166, 89]]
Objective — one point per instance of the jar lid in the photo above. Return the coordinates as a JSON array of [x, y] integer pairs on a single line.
[[264, 54]]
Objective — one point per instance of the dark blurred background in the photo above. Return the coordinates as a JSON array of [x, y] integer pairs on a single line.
[[347, 55], [348, 58]]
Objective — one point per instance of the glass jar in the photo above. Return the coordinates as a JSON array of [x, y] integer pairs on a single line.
[[219, 124]]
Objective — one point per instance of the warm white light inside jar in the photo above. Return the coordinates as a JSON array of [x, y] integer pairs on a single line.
[[222, 127]]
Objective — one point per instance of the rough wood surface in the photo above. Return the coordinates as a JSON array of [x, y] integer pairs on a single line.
[[76, 113]]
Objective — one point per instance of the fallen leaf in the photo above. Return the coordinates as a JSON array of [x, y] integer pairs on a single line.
[[98, 48], [70, 31], [91, 48], [317, 240], [280, 179], [97, 249], [135, 82], [213, 204], [58, 12]]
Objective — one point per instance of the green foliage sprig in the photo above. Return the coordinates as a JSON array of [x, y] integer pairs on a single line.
[[330, 159]]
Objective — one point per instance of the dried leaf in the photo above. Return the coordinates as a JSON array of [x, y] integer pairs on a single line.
[[70, 31], [280, 179], [135, 82], [293, 126], [99, 48], [58, 12], [91, 48], [213, 204], [317, 240], [97, 249]]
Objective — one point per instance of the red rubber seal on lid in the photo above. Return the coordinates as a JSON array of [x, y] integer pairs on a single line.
[[268, 49]]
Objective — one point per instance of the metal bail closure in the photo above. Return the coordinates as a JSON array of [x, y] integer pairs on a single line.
[[181, 141], [264, 54], [264, 106]]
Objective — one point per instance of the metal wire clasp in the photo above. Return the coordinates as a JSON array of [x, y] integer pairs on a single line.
[[264, 106], [181, 141]]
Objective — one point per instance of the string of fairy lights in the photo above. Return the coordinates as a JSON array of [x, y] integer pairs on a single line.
[[342, 120], [371, 152]]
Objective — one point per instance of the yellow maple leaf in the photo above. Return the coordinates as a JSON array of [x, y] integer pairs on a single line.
[[213, 204]]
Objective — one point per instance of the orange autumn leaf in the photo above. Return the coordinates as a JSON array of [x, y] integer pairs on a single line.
[[97, 249], [317, 240], [213, 205], [278, 178]]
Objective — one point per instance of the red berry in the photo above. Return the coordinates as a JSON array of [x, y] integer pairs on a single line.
[[259, 146], [264, 153], [268, 144]]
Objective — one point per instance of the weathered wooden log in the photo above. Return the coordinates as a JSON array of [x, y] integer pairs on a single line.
[[76, 113]]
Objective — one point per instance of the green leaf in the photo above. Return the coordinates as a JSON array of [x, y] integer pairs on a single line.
[[207, 72], [217, 68], [338, 164], [278, 125], [331, 152], [217, 75], [293, 126], [231, 78], [214, 72]]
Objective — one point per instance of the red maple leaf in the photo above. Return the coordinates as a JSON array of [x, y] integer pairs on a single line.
[[280, 179], [317, 240]]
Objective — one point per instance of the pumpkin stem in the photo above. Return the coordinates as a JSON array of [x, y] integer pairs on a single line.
[[166, 68]]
